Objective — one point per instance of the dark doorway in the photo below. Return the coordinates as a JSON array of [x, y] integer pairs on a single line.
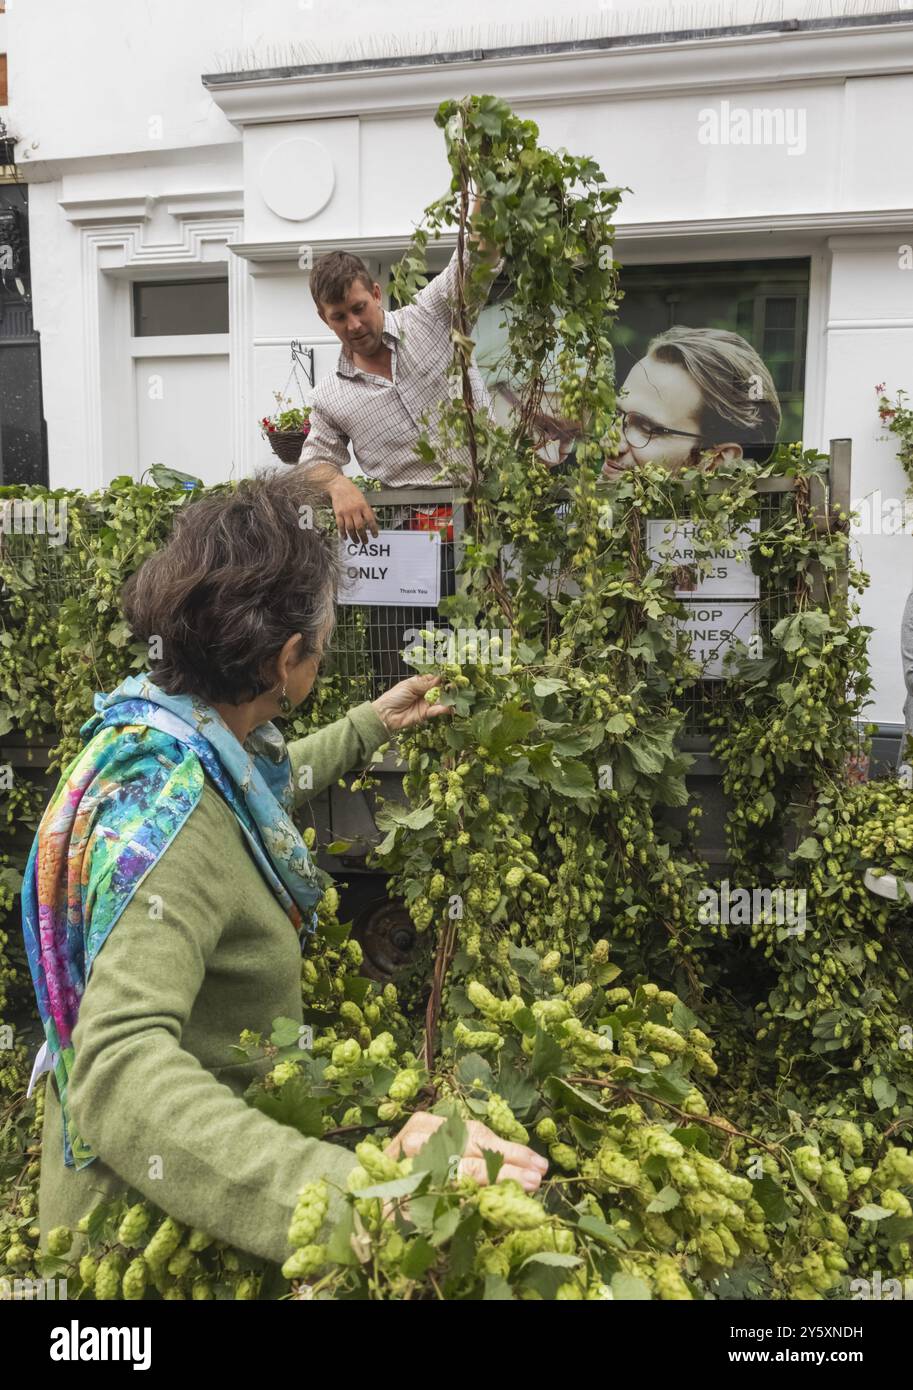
[[23, 436]]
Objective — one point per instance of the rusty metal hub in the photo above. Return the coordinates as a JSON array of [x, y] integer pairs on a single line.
[[387, 937]]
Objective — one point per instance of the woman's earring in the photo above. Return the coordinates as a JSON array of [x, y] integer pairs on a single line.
[[285, 704]]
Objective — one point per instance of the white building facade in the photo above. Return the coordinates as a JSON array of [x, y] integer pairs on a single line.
[[173, 214]]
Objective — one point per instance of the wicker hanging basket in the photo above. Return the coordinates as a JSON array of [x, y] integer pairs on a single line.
[[287, 444]]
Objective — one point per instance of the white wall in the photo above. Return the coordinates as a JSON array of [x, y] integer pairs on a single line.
[[870, 341]]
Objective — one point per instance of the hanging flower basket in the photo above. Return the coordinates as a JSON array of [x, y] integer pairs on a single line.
[[287, 444], [286, 430]]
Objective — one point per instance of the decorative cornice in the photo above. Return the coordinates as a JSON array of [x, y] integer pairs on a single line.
[[854, 325], [218, 203], [851, 227], [277, 251], [817, 224], [588, 74], [100, 211]]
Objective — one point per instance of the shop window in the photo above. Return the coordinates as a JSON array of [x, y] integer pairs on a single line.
[[765, 302]]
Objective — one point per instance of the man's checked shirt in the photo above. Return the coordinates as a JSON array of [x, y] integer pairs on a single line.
[[382, 418]]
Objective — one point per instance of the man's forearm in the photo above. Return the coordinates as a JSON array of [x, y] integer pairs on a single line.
[[354, 514], [321, 471]]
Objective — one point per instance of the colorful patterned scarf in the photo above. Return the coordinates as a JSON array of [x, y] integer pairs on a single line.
[[117, 808]]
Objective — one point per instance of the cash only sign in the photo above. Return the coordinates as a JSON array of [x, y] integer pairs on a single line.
[[722, 602], [395, 568]]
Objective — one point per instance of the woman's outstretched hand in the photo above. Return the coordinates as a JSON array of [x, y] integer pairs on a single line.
[[524, 1165], [404, 705]]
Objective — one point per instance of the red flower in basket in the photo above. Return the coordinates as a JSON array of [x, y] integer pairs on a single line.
[[287, 429]]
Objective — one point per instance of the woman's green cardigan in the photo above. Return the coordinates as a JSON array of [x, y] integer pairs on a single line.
[[202, 951]]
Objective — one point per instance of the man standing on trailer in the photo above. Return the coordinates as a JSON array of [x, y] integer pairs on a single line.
[[392, 371]]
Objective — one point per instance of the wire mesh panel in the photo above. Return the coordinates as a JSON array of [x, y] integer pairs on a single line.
[[705, 698], [367, 644], [38, 552], [368, 641]]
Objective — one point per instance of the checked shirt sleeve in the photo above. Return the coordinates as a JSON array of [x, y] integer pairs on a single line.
[[438, 298], [325, 441]]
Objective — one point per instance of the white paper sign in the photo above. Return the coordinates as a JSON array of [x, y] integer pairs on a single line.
[[547, 584], [398, 568], [712, 627], [730, 576]]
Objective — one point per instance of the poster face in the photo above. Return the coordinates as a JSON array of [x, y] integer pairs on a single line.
[[394, 568], [763, 303], [713, 352], [713, 626]]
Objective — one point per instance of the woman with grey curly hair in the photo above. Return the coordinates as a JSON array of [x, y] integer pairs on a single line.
[[169, 895]]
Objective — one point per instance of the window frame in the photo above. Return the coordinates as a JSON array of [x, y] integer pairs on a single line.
[[141, 283], [802, 393]]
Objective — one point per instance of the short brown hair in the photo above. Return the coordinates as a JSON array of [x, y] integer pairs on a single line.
[[238, 577], [740, 403], [335, 274]]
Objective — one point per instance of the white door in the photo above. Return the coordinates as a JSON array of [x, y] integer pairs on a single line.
[[183, 414]]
